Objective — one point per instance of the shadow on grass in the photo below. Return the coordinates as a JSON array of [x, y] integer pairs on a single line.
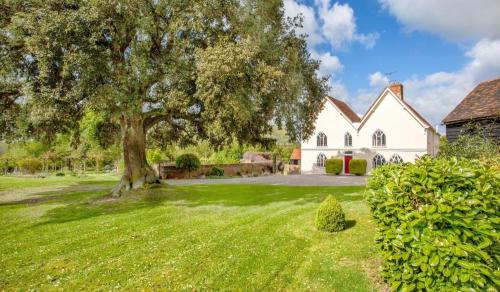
[[195, 196], [74, 192], [349, 224]]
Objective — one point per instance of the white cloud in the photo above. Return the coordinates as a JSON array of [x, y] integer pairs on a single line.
[[309, 25], [339, 25], [436, 94], [338, 90], [326, 23], [330, 65], [452, 19], [378, 79]]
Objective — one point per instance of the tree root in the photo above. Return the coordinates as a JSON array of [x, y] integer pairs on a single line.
[[126, 184]]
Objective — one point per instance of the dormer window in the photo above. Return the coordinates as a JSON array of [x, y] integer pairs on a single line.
[[348, 140], [378, 139], [321, 140]]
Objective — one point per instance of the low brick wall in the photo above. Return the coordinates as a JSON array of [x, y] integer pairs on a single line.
[[169, 171]]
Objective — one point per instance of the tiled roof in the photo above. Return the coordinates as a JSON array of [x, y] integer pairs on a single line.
[[296, 154], [482, 102], [345, 109]]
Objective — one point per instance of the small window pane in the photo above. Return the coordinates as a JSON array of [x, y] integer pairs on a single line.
[[347, 140], [321, 140], [378, 139], [321, 159], [378, 160], [396, 159]]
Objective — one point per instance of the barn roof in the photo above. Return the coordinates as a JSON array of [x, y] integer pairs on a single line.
[[482, 102]]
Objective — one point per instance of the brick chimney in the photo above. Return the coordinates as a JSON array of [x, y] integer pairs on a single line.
[[397, 88]]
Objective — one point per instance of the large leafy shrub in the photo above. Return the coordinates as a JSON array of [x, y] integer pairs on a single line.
[[438, 223], [30, 165], [333, 166], [188, 161], [330, 216], [358, 166]]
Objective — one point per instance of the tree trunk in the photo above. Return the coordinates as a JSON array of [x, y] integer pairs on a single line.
[[137, 171]]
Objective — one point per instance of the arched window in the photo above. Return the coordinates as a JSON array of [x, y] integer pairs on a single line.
[[322, 140], [396, 159], [347, 140], [320, 160], [378, 139], [378, 160]]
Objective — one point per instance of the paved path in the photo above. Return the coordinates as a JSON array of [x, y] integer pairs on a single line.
[[291, 180]]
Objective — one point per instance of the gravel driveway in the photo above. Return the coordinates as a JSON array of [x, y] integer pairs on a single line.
[[290, 180]]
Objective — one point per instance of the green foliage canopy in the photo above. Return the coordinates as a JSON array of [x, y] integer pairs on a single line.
[[218, 70]]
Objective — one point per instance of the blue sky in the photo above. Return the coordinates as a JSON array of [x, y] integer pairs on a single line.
[[439, 50]]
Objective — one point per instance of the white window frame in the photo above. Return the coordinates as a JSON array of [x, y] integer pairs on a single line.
[[321, 140], [396, 158], [379, 139], [378, 160], [347, 139], [321, 160]]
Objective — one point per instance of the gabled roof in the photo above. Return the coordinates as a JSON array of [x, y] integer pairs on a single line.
[[345, 109], [482, 102], [410, 109]]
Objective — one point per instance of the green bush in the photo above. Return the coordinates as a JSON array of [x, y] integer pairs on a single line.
[[216, 171], [333, 166], [330, 216], [438, 222], [189, 162], [60, 174], [358, 166], [30, 165]]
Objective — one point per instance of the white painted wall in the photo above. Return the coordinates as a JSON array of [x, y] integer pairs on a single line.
[[334, 124], [405, 134]]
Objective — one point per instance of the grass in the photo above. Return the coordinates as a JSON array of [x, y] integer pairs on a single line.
[[220, 237]]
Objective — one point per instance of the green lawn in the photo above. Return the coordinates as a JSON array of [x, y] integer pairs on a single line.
[[67, 235]]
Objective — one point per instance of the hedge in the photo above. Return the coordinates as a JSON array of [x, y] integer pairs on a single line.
[[330, 216], [358, 166], [333, 166], [438, 223]]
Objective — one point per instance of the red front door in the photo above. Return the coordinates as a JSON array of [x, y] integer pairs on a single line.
[[346, 164]]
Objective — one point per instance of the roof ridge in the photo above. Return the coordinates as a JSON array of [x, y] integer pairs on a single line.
[[345, 109]]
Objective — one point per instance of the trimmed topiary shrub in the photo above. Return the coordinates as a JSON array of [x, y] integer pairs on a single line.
[[30, 165], [216, 171], [358, 166], [333, 166], [188, 161], [330, 216], [438, 223]]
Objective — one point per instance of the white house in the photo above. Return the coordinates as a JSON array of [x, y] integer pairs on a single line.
[[390, 131]]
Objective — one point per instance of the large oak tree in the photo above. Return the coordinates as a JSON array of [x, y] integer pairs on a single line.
[[182, 71]]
